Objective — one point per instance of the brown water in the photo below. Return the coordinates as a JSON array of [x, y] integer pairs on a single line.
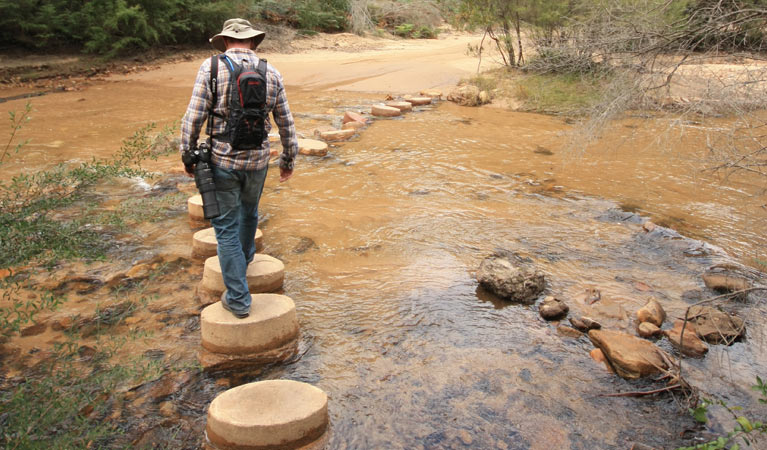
[[393, 326]]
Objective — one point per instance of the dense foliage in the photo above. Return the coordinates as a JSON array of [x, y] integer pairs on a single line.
[[113, 27]]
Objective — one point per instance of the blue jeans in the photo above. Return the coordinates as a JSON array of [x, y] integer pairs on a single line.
[[238, 193]]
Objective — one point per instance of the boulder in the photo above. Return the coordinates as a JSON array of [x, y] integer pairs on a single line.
[[337, 135], [385, 111], [690, 345], [484, 97], [553, 308], [652, 312], [727, 278], [715, 326], [630, 356], [402, 106], [466, 95], [312, 147], [648, 330], [504, 275], [351, 116], [584, 324]]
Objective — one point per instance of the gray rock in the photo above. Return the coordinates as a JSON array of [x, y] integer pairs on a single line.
[[507, 276], [585, 324], [553, 308]]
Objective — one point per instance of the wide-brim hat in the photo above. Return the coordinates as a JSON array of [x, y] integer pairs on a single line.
[[237, 29]]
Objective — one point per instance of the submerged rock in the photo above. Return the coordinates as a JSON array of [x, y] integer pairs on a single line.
[[351, 116], [648, 330], [569, 332], [690, 345], [728, 278], [652, 312], [553, 308], [585, 324], [715, 326], [504, 275], [630, 356]]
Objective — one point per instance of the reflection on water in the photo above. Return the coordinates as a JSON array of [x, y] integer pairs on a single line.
[[392, 324]]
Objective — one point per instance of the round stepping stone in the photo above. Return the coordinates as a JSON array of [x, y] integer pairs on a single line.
[[420, 101], [337, 135], [312, 147], [267, 414], [204, 244], [271, 324], [351, 116], [194, 205], [402, 106], [385, 111], [352, 125], [433, 93], [264, 274]]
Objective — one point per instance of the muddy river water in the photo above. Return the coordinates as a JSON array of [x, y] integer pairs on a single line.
[[381, 239]]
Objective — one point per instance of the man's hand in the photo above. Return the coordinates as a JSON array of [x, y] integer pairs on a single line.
[[285, 174]]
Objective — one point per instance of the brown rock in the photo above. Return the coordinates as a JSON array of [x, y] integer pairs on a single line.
[[350, 116], [715, 326], [167, 409], [652, 312], [323, 129], [585, 324], [630, 356], [553, 308], [648, 226], [62, 324], [139, 271], [312, 147], [597, 355], [34, 330], [569, 332], [690, 345], [648, 330], [465, 437], [728, 278]]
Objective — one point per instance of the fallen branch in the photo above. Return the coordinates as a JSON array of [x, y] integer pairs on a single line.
[[643, 393]]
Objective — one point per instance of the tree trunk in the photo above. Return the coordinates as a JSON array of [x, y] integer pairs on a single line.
[[521, 59], [507, 41]]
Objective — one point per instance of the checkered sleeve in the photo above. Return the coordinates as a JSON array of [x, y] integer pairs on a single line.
[[197, 111], [284, 120]]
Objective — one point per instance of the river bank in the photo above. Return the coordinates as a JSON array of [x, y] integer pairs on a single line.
[[381, 239]]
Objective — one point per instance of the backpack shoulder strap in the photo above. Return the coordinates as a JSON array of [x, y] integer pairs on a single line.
[[262, 67], [214, 93]]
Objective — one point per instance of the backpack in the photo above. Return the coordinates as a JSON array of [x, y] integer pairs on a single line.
[[245, 125]]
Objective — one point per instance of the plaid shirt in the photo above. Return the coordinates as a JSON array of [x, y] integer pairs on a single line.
[[197, 112]]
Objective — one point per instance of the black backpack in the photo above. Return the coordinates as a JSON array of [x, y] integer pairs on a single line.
[[245, 126]]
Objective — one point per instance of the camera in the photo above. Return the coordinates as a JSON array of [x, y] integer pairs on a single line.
[[199, 158]]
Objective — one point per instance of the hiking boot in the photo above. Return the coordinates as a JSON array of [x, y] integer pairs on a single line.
[[239, 315]]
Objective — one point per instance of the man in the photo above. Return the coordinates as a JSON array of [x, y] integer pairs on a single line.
[[239, 174]]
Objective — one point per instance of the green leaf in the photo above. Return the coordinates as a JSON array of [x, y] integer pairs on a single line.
[[745, 423], [699, 414]]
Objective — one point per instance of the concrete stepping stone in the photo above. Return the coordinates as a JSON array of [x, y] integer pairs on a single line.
[[433, 93], [402, 106], [312, 147], [204, 244], [196, 214], [281, 414], [419, 101], [385, 111], [269, 334], [351, 116], [353, 125], [264, 274], [336, 135]]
